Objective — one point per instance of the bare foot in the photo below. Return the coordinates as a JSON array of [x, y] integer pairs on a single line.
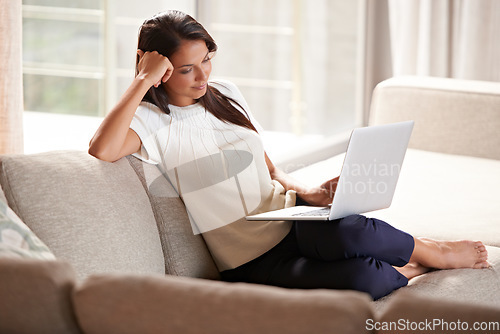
[[412, 269], [451, 254]]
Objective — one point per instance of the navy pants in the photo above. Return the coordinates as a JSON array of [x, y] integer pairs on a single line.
[[354, 252]]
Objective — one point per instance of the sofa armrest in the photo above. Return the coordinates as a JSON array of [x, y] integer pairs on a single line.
[[410, 313], [35, 296], [451, 115], [171, 304]]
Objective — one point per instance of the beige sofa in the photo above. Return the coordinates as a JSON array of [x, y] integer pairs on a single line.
[[117, 228]]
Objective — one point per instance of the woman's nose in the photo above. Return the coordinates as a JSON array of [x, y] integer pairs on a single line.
[[201, 75]]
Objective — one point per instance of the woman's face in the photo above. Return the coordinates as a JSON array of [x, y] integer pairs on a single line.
[[192, 67]]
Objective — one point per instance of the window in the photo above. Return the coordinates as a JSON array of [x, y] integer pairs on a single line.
[[78, 58], [297, 63]]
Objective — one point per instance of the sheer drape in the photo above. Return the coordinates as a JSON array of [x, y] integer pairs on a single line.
[[446, 38], [442, 38], [295, 61], [330, 53], [11, 101]]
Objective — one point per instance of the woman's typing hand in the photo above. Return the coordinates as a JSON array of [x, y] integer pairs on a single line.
[[321, 195]]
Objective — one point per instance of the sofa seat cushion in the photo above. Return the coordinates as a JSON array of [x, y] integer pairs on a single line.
[[438, 195], [442, 196], [471, 286], [170, 304], [94, 214], [36, 297]]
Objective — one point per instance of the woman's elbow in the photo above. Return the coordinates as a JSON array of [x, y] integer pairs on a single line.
[[101, 154]]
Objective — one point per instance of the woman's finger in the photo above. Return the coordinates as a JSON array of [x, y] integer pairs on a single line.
[[168, 72]]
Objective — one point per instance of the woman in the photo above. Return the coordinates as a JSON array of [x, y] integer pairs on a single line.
[[203, 137]]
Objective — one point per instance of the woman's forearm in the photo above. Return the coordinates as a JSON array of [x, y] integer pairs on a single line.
[[289, 183], [321, 195]]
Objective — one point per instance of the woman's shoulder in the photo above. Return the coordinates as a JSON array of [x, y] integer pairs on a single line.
[[222, 83], [226, 87], [229, 89], [149, 116], [147, 109]]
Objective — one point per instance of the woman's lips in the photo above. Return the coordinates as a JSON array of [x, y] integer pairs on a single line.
[[201, 87]]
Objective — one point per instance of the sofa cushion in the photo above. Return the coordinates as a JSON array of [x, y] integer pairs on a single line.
[[441, 196], [36, 297], [438, 195], [451, 115], [412, 313], [185, 254], [17, 240], [154, 304], [446, 196], [471, 286], [92, 213]]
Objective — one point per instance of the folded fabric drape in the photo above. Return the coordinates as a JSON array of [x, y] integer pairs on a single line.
[[445, 38], [11, 87], [448, 38]]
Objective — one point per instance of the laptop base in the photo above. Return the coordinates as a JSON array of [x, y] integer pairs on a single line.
[[291, 214]]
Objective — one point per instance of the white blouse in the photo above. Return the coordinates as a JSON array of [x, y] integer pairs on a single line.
[[219, 171]]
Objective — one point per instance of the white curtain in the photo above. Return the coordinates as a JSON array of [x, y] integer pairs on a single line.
[[11, 98], [378, 60], [446, 38], [294, 60]]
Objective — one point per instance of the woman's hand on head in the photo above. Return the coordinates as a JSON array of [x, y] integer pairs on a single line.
[[154, 67], [321, 195]]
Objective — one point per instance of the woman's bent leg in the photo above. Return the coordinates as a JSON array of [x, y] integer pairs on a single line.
[[364, 274], [285, 266], [354, 236]]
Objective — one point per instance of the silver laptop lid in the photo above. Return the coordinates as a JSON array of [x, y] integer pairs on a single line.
[[371, 168]]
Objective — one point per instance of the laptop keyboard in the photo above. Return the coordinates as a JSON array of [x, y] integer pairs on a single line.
[[317, 212]]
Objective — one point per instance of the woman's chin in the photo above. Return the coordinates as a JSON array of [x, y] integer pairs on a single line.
[[200, 94]]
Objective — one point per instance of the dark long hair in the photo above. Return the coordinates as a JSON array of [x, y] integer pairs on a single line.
[[164, 33]]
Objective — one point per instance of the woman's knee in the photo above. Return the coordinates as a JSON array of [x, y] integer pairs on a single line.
[[353, 230], [353, 224], [332, 240]]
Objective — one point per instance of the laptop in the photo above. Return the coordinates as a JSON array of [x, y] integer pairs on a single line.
[[368, 178]]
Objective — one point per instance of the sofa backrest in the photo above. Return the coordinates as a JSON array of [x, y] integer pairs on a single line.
[[451, 116], [93, 214], [186, 254]]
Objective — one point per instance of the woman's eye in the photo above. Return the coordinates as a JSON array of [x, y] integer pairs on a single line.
[[186, 71], [209, 57]]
